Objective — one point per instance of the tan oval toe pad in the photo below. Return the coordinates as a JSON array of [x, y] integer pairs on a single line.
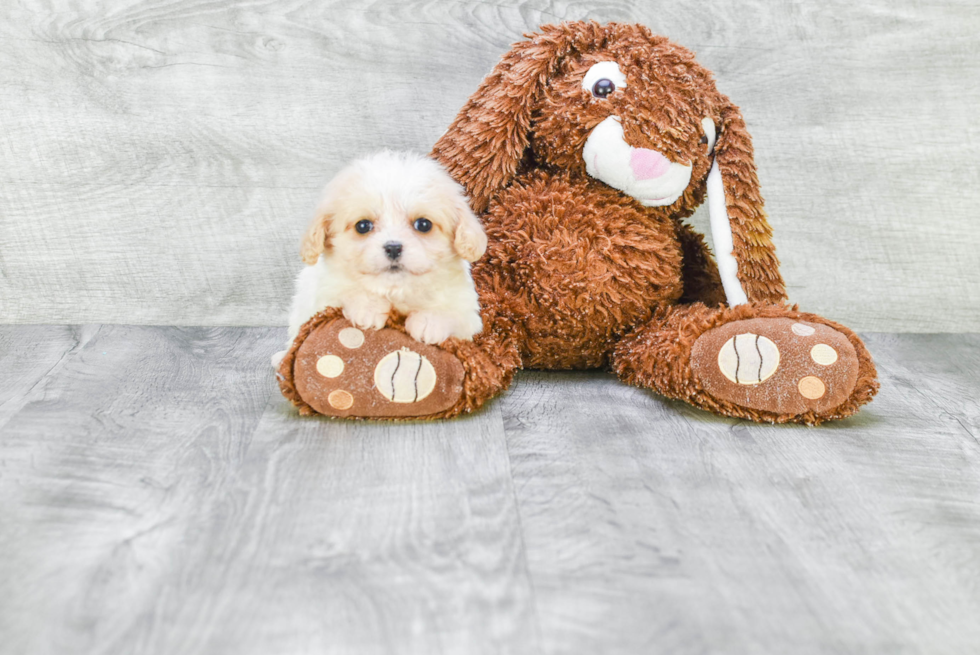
[[776, 365]]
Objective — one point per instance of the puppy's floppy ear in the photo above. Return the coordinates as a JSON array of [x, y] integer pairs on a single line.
[[469, 241], [742, 235], [486, 142], [317, 237]]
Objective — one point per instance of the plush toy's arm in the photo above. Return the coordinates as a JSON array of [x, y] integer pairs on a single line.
[[742, 237]]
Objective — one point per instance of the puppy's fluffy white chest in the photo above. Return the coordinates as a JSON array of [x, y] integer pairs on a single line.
[[331, 284]]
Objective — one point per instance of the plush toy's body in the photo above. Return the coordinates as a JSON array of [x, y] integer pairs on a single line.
[[576, 265], [583, 151]]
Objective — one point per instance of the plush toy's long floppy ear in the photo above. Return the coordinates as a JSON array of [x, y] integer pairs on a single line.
[[485, 144], [742, 236]]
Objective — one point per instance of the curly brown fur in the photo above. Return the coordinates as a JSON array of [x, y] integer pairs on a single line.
[[531, 113], [557, 259], [701, 280]]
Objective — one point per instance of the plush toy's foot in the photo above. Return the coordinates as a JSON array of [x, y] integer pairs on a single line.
[[338, 370], [776, 365], [765, 363]]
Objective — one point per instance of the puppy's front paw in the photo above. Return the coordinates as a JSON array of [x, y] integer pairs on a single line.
[[429, 328], [366, 316]]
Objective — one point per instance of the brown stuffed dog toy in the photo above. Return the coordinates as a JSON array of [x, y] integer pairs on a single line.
[[582, 151]]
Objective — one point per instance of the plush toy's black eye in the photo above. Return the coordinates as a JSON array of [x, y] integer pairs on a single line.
[[364, 226], [704, 139], [423, 224], [603, 87]]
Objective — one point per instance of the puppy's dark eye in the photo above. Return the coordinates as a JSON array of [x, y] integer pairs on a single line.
[[603, 87], [423, 224], [364, 226]]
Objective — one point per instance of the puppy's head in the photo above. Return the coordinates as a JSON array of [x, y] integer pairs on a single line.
[[393, 214]]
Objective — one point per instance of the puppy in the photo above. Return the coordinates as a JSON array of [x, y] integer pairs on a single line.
[[393, 231]]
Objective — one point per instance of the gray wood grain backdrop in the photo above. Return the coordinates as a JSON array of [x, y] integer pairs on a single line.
[[158, 160]]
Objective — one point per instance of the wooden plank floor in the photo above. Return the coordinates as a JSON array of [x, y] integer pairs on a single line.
[[157, 495]]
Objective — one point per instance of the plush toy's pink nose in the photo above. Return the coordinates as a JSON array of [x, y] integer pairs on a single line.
[[648, 164]]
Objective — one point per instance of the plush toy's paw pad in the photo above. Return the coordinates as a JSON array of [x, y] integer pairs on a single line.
[[776, 365], [341, 370]]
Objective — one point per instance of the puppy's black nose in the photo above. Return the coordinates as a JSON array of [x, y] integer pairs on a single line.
[[393, 249]]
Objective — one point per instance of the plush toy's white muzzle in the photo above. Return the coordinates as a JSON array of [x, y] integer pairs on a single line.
[[644, 174]]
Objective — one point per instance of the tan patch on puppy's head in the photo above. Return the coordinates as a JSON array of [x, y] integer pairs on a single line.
[[445, 204], [316, 240]]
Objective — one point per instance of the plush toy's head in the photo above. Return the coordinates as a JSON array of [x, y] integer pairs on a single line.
[[626, 107], [637, 113]]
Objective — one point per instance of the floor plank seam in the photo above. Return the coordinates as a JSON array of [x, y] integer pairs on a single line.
[[43, 379], [520, 519], [941, 410]]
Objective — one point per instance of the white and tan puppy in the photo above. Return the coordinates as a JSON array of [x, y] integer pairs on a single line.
[[393, 231]]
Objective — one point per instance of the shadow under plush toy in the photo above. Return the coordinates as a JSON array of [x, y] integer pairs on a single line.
[[582, 152]]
